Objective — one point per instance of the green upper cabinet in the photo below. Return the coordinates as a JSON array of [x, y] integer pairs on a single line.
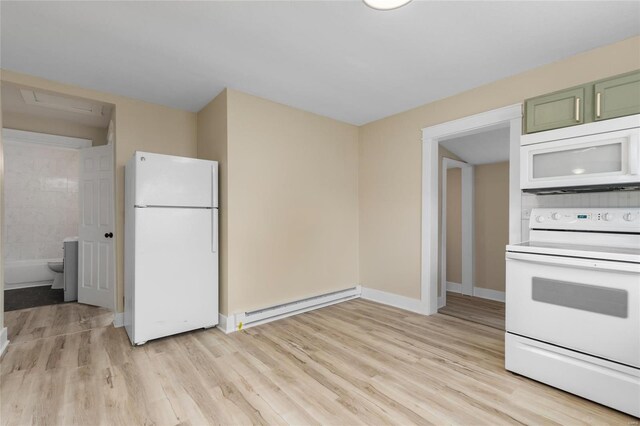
[[559, 109], [609, 98], [618, 96]]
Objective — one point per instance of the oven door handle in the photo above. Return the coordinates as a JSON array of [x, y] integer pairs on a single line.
[[572, 262]]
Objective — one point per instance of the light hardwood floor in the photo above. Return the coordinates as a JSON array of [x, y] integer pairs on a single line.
[[353, 363], [475, 309]]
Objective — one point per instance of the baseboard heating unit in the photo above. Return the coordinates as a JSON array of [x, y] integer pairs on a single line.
[[247, 319]]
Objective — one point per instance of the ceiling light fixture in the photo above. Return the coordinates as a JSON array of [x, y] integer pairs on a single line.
[[386, 4]]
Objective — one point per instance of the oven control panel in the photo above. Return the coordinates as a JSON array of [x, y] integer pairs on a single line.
[[625, 219]]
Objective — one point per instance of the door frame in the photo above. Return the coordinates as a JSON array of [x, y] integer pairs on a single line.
[[67, 142], [510, 116], [468, 255]]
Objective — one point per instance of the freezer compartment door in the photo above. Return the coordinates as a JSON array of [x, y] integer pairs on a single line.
[[176, 274], [165, 180]]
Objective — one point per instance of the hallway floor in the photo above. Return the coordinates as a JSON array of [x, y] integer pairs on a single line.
[[482, 311]]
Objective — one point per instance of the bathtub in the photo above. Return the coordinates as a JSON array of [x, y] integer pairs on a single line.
[[28, 273]]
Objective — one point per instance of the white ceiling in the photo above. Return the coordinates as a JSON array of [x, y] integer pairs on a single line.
[[491, 146], [13, 101], [335, 58]]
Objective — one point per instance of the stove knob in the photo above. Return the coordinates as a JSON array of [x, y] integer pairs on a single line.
[[607, 217], [556, 216], [539, 219], [628, 217]]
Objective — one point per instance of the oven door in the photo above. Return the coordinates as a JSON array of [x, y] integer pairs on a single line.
[[602, 159], [586, 305]]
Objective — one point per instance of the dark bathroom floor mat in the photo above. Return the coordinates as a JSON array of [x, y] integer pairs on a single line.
[[22, 298]]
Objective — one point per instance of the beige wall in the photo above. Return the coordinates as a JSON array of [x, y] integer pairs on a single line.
[[140, 126], [390, 160], [19, 121], [293, 203], [491, 224], [454, 226], [212, 145]]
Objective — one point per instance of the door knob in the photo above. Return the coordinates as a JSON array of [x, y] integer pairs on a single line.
[[108, 235]]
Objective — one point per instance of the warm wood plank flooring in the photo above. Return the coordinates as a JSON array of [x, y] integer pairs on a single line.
[[475, 309], [54, 320], [352, 363]]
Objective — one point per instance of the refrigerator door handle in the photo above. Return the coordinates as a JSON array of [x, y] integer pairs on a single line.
[[214, 185], [214, 230]]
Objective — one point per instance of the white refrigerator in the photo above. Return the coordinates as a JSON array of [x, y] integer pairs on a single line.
[[171, 245]]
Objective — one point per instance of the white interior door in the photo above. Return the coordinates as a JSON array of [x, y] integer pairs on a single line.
[[96, 271]]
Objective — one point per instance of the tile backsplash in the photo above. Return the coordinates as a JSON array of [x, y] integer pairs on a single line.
[[594, 199], [41, 200]]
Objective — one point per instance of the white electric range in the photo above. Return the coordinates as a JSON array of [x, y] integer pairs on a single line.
[[573, 304]]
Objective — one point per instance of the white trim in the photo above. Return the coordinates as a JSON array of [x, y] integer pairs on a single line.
[[226, 324], [483, 293], [467, 232], [430, 164], [454, 287], [118, 319], [17, 286], [515, 194], [395, 300], [487, 293], [4, 342], [450, 163], [22, 136]]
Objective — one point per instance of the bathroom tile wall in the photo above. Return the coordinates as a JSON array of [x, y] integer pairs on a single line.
[[595, 200], [41, 200]]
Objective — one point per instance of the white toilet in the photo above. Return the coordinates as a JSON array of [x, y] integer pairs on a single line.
[[58, 269]]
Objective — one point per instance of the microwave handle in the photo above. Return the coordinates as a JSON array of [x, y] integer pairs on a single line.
[[634, 153]]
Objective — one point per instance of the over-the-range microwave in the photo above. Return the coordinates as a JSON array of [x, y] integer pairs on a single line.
[[601, 156]]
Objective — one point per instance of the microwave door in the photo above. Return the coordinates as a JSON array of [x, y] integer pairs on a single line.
[[596, 160]]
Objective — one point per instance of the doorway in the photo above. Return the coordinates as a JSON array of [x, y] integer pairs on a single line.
[[475, 226], [51, 198], [509, 118]]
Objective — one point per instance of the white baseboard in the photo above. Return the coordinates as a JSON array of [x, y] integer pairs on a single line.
[[454, 287], [17, 286], [487, 293], [118, 319], [395, 300], [483, 293], [4, 342], [226, 324]]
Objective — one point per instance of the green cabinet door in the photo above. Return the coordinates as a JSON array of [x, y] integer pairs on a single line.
[[618, 96], [555, 110]]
